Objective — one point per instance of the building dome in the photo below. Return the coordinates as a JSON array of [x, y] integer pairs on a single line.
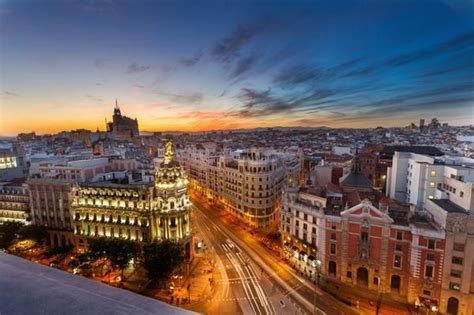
[[356, 180]]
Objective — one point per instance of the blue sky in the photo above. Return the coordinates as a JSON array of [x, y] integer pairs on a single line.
[[201, 65]]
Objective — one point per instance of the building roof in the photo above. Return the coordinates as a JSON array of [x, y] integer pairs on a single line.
[[448, 205], [388, 151], [356, 180], [29, 288]]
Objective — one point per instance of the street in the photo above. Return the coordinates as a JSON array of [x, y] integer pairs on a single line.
[[292, 289], [242, 287]]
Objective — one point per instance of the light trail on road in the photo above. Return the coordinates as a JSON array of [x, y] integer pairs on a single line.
[[236, 268], [299, 290]]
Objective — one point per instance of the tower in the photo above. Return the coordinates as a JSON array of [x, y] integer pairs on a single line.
[[117, 109]]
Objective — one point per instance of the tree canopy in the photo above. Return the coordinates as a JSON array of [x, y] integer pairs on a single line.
[[161, 259], [9, 231], [118, 251]]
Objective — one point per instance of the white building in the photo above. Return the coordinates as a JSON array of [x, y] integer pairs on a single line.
[[414, 178]]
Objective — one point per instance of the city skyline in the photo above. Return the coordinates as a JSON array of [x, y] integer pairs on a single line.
[[189, 67]]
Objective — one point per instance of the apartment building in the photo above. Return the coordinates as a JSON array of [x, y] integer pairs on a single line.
[[421, 256], [14, 201], [247, 183]]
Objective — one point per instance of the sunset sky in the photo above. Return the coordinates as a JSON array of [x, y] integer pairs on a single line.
[[202, 65]]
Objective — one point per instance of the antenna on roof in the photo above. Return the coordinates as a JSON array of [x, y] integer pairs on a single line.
[[116, 103]]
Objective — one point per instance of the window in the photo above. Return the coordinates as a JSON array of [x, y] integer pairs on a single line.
[[305, 226], [458, 247], [333, 226], [333, 236], [462, 194], [427, 292], [399, 235], [305, 217], [456, 273], [430, 257], [333, 249], [376, 280], [297, 214], [314, 220], [398, 247], [433, 173], [397, 261], [454, 286], [429, 271], [297, 223], [432, 184], [349, 274], [314, 230], [456, 260], [431, 244], [364, 236], [430, 197]]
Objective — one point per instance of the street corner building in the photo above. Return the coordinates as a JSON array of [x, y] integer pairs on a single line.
[[246, 183], [142, 212], [413, 252]]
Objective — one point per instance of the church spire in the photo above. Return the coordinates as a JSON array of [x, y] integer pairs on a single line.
[[117, 109]]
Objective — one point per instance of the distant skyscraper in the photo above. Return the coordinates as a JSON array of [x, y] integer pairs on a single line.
[[422, 124]]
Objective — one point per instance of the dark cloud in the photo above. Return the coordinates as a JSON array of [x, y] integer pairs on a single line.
[[243, 65], [224, 92], [359, 72], [445, 70], [9, 94], [135, 68], [94, 98], [452, 45], [298, 74], [310, 74], [261, 103], [228, 48], [190, 62], [183, 98]]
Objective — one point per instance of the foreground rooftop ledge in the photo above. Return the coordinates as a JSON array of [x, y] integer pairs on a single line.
[[30, 288]]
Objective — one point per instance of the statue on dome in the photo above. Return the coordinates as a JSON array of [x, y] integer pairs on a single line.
[[168, 151]]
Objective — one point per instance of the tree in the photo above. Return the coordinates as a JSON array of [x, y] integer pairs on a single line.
[[162, 258], [9, 231], [34, 232], [118, 251]]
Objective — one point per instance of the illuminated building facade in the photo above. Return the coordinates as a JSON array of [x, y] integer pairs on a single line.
[[50, 192], [143, 212], [14, 202], [247, 183], [12, 163]]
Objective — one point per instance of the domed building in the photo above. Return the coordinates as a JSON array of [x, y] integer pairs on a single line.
[[356, 180], [143, 212]]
